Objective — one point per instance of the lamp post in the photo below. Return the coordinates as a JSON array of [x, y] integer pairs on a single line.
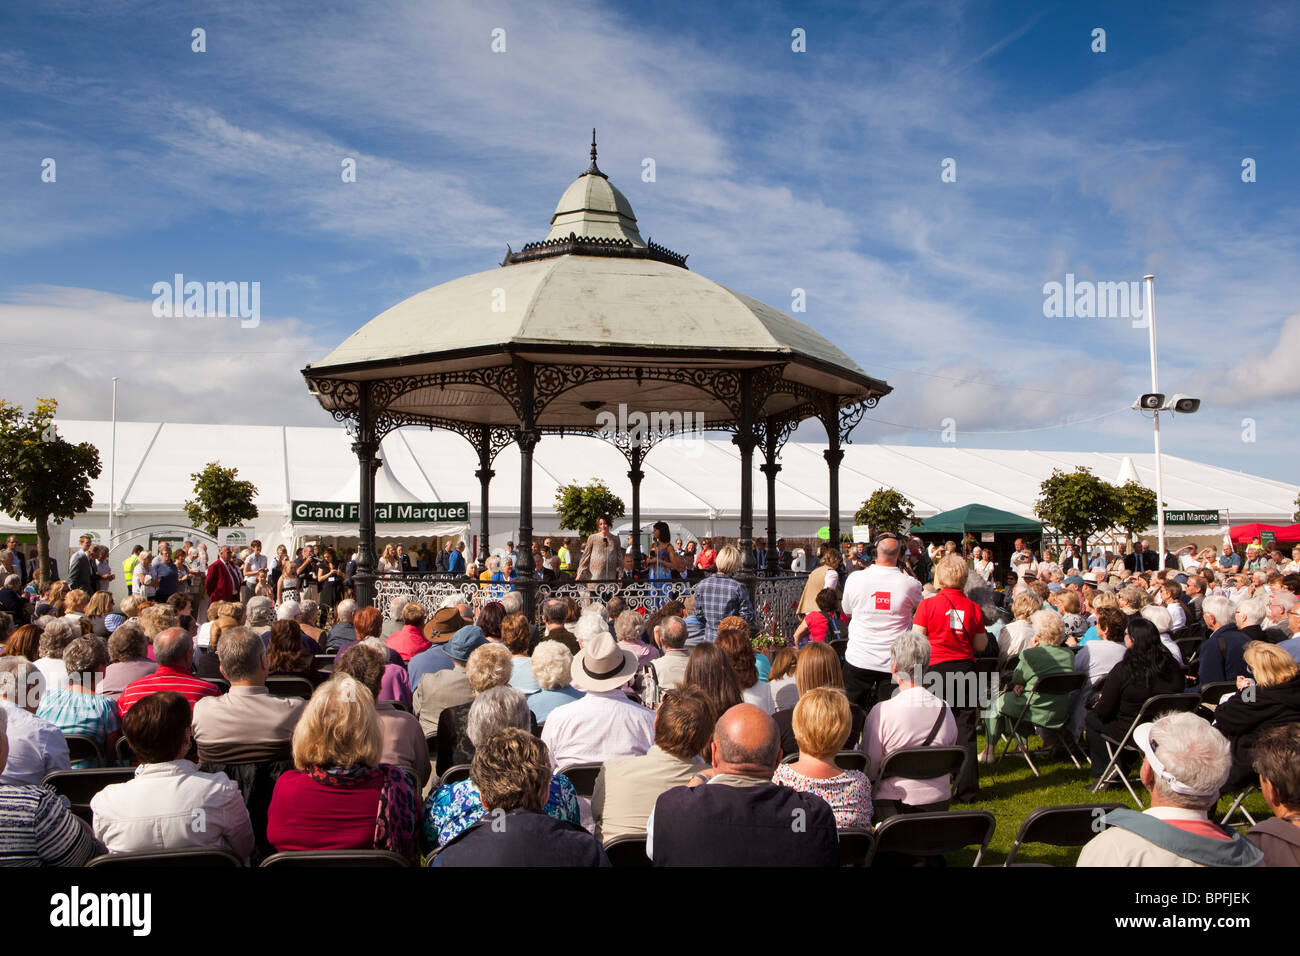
[[1150, 280]]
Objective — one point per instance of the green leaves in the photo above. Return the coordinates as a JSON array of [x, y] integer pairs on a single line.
[[1078, 504], [1138, 509], [579, 506], [221, 499], [43, 476], [885, 510]]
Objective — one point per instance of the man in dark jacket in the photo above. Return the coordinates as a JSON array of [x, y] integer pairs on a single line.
[[512, 771], [733, 815], [1221, 655], [81, 569]]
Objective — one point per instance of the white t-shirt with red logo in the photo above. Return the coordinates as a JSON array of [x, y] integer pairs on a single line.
[[880, 602]]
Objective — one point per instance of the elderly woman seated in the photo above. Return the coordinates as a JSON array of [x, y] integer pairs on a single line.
[[822, 722], [454, 807], [552, 665], [1270, 700], [489, 666], [128, 658], [1015, 637], [1042, 657], [170, 804], [340, 796], [75, 708], [512, 771]]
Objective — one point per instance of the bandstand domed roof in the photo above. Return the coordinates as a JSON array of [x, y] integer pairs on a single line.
[[593, 292]]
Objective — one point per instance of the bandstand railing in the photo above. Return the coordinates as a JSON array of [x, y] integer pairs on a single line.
[[775, 597]]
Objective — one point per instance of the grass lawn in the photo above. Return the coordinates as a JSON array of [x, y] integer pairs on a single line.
[[1010, 791]]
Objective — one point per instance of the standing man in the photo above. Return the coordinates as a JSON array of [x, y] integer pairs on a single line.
[[256, 561], [128, 567], [880, 601], [20, 562], [223, 578], [81, 569], [783, 557]]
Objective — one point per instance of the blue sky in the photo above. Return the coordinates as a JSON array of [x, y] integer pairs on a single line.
[[775, 170]]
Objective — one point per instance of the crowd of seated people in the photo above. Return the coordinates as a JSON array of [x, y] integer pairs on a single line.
[[700, 741]]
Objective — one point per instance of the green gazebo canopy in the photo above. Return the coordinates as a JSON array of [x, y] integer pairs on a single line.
[[976, 518]]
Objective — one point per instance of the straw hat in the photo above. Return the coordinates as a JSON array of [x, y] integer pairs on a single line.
[[603, 665]]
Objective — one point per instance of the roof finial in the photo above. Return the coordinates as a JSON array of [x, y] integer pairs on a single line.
[[593, 168]]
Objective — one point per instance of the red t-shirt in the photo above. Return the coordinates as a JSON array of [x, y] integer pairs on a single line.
[[308, 815], [166, 678], [950, 619], [817, 625]]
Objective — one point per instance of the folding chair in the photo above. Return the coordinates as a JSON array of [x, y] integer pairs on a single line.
[[1153, 707], [454, 774], [857, 846], [851, 760], [289, 685], [1072, 825], [223, 685], [1214, 692], [185, 856], [925, 763], [84, 747], [627, 850], [79, 786], [124, 752], [583, 777], [1239, 804], [337, 858], [934, 834], [324, 662], [1049, 685]]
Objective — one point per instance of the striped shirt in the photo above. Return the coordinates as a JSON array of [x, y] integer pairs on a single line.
[[76, 713], [36, 829], [166, 678]]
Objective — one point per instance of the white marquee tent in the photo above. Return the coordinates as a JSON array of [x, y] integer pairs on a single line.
[[689, 482]]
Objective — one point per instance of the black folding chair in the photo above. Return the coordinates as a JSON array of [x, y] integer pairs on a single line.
[[840, 647], [223, 685], [1049, 685], [1214, 692], [1072, 825], [934, 834], [627, 850], [289, 685], [455, 774], [124, 752], [336, 858], [185, 856], [851, 760], [79, 786], [431, 740], [84, 747], [1239, 806], [324, 662], [583, 777], [857, 846], [1152, 708], [924, 763]]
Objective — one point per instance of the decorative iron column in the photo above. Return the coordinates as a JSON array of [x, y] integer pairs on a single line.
[[366, 448], [636, 455], [485, 474], [840, 423], [771, 439], [745, 440], [526, 437], [834, 457]]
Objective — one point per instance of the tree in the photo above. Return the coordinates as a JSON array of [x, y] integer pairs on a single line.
[[886, 510], [221, 499], [43, 476], [578, 507], [1078, 504], [1137, 506]]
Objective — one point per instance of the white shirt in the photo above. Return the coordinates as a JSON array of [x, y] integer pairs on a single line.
[[881, 602], [36, 747], [254, 563], [53, 670], [1177, 614], [760, 695], [138, 577], [172, 805], [598, 726]]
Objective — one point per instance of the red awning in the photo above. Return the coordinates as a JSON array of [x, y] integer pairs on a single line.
[[1282, 534]]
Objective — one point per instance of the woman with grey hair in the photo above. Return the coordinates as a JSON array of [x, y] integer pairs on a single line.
[[455, 807], [553, 670], [128, 658], [75, 707], [1043, 656], [56, 634]]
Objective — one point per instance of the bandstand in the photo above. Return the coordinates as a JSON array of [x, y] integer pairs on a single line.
[[589, 318]]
